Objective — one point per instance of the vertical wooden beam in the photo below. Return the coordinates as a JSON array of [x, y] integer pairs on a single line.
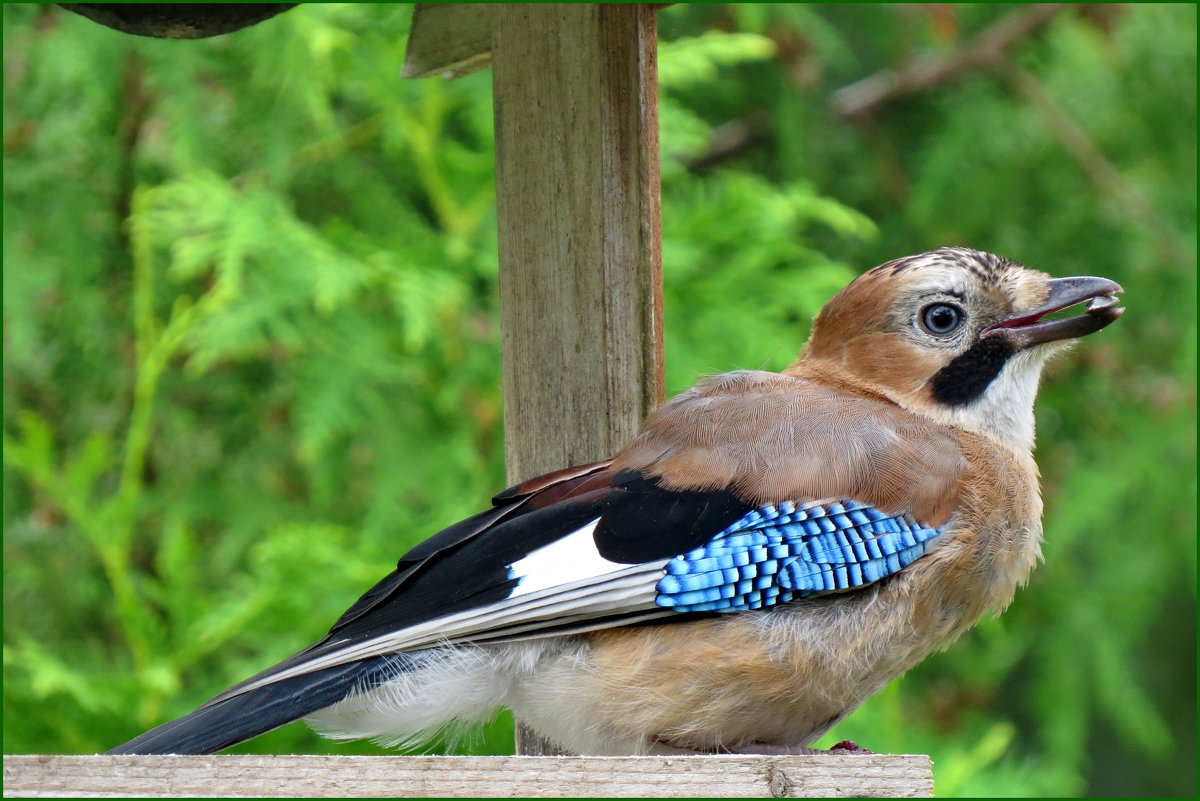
[[577, 186]]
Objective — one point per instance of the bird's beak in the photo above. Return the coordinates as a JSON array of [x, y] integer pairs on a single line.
[[1027, 329]]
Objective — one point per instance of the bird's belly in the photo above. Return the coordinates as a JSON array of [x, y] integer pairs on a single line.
[[781, 677]]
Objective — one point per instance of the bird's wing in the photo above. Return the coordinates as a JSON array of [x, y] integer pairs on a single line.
[[613, 544], [529, 496]]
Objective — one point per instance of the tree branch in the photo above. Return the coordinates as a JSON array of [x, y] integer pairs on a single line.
[[730, 140], [986, 51]]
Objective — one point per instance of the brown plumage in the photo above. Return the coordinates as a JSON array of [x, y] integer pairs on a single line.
[[779, 437]]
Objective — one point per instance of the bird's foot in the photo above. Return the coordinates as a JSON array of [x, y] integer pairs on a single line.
[[771, 749]]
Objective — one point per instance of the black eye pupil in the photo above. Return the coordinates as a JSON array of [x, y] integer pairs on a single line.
[[941, 318]]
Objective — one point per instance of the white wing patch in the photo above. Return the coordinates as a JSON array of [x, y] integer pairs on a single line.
[[565, 561]]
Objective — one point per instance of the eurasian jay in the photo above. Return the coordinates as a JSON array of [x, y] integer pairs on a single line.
[[768, 553]]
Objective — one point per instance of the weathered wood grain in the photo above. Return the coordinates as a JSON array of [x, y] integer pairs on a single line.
[[577, 194], [448, 39], [578, 210], [820, 776]]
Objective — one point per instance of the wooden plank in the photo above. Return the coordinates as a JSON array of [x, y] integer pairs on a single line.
[[448, 39], [575, 89], [819, 776], [578, 210]]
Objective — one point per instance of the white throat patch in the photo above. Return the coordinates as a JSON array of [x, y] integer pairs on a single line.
[[1004, 412]]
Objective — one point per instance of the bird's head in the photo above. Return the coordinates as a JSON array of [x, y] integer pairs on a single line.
[[956, 335]]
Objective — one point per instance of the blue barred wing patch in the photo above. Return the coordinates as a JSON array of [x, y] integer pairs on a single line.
[[775, 554]]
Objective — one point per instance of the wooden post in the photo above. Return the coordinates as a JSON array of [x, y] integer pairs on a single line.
[[577, 202]]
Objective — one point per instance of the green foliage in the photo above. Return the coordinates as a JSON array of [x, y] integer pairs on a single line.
[[252, 350]]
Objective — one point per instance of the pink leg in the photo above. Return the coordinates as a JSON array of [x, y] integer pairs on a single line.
[[844, 747]]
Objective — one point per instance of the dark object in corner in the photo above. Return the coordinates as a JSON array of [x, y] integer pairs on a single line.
[[178, 20]]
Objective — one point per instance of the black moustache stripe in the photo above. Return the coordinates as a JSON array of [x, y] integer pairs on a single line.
[[967, 377]]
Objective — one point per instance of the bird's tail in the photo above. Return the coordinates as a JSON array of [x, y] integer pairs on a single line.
[[227, 721]]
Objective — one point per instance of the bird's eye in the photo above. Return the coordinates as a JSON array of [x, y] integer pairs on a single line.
[[941, 318]]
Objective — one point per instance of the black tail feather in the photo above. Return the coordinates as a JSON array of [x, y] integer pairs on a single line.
[[232, 720]]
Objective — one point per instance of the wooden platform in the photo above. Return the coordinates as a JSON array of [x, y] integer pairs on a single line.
[[819, 776]]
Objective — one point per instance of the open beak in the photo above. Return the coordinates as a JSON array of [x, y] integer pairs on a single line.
[[1028, 329]]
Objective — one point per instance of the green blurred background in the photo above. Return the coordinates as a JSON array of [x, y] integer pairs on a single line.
[[252, 354]]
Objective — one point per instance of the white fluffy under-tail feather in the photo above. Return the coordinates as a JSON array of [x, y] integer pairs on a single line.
[[453, 687]]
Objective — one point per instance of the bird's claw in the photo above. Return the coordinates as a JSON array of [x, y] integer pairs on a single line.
[[771, 749]]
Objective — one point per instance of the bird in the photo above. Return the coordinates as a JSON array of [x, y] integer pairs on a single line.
[[766, 554]]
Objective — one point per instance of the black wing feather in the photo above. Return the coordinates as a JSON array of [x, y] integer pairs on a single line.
[[642, 522], [463, 567], [466, 565]]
